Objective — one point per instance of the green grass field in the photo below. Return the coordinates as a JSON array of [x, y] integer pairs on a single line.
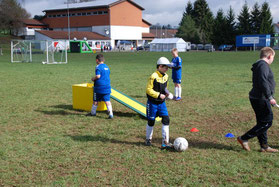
[[44, 142]]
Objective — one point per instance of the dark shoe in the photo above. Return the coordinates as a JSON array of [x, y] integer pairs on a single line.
[[243, 143], [89, 114], [110, 117], [148, 142], [269, 150]]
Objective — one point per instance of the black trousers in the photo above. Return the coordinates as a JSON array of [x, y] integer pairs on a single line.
[[264, 116]]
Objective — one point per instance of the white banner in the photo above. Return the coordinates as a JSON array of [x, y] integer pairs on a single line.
[[250, 40]]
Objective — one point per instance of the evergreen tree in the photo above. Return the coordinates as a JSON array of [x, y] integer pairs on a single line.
[[188, 30], [230, 27], [219, 30], [256, 19], [189, 9], [244, 18], [203, 18], [266, 22]]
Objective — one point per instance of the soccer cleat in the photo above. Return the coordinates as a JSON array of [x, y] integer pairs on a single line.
[[243, 143], [166, 146], [148, 142], [269, 150], [89, 114], [110, 117], [177, 99]]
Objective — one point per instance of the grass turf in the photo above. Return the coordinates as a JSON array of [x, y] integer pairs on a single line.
[[45, 142]]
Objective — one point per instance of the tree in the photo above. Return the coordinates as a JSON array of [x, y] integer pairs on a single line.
[[11, 15], [38, 17], [230, 27], [266, 22], [244, 18], [203, 18], [188, 11], [188, 30], [219, 30], [256, 19]]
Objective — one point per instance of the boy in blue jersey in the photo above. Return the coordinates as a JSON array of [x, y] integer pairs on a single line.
[[102, 88], [176, 73], [157, 92]]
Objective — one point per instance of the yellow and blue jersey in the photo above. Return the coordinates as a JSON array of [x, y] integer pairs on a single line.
[[157, 84]]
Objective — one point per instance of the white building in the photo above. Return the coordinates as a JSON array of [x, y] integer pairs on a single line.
[[167, 44]]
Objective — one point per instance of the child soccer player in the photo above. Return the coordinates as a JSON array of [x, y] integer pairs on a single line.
[[157, 92], [261, 99], [102, 88], [176, 73]]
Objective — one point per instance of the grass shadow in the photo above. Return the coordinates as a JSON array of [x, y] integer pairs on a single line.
[[90, 138], [200, 144]]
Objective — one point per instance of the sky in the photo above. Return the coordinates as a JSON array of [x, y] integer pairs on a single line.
[[165, 12]]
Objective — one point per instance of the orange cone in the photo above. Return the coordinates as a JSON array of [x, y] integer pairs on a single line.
[[194, 130]]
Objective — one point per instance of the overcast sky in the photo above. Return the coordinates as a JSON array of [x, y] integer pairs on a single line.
[[164, 11]]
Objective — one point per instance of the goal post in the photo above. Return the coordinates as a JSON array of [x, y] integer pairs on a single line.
[[43, 51]]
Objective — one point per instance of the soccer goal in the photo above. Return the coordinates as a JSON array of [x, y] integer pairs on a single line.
[[46, 52]]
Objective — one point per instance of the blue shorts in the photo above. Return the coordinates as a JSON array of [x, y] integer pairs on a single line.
[[178, 81], [154, 110], [101, 97]]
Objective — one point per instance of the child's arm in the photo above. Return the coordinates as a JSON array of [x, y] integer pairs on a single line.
[[151, 92], [95, 78]]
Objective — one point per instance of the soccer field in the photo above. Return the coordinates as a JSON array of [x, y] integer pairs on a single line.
[[45, 142]]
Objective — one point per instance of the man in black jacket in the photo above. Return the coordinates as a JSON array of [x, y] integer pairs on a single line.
[[261, 99]]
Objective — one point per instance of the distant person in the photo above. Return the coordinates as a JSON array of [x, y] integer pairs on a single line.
[[176, 73], [102, 88], [157, 92], [261, 98]]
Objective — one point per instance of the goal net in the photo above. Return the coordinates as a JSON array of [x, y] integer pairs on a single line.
[[46, 52]]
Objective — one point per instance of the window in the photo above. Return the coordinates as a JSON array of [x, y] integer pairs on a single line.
[[64, 15], [84, 13], [58, 15], [54, 16], [95, 13], [73, 14], [105, 12], [88, 13], [79, 14], [100, 12], [49, 16]]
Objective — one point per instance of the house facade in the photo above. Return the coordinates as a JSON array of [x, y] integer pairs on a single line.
[[118, 20]]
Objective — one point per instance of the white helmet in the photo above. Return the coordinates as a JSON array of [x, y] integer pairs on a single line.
[[163, 61]]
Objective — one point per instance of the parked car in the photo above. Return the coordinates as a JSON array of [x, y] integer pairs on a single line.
[[193, 46], [209, 47], [225, 47], [200, 46]]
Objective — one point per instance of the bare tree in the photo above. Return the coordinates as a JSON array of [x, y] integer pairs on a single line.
[[11, 15]]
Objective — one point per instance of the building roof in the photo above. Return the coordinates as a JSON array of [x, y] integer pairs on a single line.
[[167, 40], [148, 35], [91, 4], [79, 35], [164, 33], [143, 20], [33, 22]]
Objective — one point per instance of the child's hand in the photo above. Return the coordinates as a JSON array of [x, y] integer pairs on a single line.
[[162, 96], [273, 102]]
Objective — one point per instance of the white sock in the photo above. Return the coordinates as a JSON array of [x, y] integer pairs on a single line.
[[176, 91], [179, 91], [93, 109], [110, 110], [165, 133], [149, 132]]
